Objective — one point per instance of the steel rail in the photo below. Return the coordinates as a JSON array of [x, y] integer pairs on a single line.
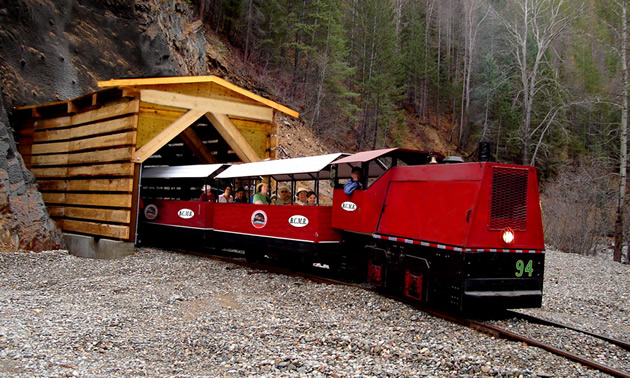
[[516, 337], [534, 319]]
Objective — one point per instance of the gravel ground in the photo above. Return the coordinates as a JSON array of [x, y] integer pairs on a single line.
[[164, 313]]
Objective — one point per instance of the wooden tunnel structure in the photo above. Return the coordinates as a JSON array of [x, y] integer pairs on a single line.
[[87, 153]]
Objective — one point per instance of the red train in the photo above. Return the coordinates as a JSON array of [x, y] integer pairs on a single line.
[[463, 236]]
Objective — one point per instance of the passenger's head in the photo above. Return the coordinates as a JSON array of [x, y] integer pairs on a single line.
[[356, 174], [228, 190], [301, 194], [311, 197], [284, 192], [240, 192], [262, 187], [206, 189]]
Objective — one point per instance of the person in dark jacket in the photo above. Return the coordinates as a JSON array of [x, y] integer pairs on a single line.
[[239, 195], [207, 195], [355, 181]]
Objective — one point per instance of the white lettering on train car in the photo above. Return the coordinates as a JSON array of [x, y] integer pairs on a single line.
[[349, 206], [298, 221], [185, 213]]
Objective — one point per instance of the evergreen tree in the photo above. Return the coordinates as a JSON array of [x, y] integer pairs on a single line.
[[330, 107], [378, 69]]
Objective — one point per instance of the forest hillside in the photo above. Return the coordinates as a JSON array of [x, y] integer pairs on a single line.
[[543, 81]]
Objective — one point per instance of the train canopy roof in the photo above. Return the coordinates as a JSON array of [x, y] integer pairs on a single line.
[[397, 156], [304, 168], [183, 171], [364, 156], [411, 157]]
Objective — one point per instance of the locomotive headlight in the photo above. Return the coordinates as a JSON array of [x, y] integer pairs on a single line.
[[507, 236]]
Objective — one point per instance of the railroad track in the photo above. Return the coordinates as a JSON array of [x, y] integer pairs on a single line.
[[480, 326], [510, 335], [534, 319]]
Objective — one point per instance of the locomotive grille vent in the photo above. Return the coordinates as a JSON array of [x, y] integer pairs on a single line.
[[508, 206]]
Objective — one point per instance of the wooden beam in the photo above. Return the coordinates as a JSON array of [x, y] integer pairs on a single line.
[[253, 96], [55, 211], [233, 137], [51, 185], [101, 185], [113, 169], [104, 215], [113, 140], [135, 206], [58, 198], [99, 128], [91, 228], [90, 116], [87, 185], [101, 156], [237, 109], [99, 199], [192, 140], [167, 135]]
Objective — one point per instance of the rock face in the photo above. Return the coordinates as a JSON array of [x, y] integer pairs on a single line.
[[58, 50], [24, 220]]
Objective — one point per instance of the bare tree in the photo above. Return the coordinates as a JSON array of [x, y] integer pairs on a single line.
[[620, 10], [532, 25], [623, 150], [471, 28]]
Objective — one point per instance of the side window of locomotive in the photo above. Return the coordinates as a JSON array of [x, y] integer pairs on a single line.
[[377, 167]]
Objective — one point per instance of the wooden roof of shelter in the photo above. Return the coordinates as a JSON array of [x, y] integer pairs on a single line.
[[86, 152], [234, 112], [179, 80]]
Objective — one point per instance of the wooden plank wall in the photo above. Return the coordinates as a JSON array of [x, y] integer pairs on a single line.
[[84, 170]]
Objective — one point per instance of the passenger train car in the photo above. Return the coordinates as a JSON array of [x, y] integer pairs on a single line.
[[462, 236]]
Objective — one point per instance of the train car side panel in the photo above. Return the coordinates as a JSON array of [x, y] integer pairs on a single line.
[[299, 223], [360, 211], [430, 211], [190, 214]]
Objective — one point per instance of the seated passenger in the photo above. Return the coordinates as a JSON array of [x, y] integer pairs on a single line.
[[226, 197], [240, 195], [206, 194], [311, 198], [354, 182], [284, 196], [301, 196], [260, 198]]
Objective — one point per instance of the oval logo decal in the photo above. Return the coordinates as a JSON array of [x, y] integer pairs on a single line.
[[259, 219], [185, 213], [298, 220], [151, 212], [349, 206]]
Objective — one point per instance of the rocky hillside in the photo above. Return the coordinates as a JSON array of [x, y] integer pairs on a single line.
[[59, 49]]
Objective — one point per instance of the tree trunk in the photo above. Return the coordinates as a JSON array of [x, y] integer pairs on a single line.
[[248, 30], [425, 82], [437, 73], [623, 150]]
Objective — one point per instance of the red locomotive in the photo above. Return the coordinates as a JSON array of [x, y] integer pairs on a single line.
[[459, 235]]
